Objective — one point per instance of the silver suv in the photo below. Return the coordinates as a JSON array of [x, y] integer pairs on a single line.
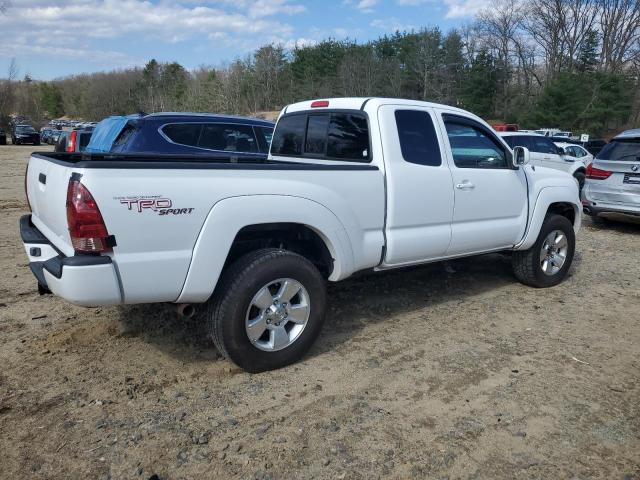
[[613, 179]]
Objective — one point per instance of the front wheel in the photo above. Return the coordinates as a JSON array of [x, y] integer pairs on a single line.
[[267, 310], [547, 262]]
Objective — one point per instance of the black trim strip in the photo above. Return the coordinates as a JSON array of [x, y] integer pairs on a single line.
[[55, 265], [197, 165], [364, 103], [36, 269], [29, 233]]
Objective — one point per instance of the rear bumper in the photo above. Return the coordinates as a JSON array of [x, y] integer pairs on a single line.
[[604, 209], [86, 280]]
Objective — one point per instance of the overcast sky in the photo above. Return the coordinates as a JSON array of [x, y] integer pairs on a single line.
[[51, 39]]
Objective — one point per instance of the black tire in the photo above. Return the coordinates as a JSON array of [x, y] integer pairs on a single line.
[[527, 265], [228, 306], [580, 177]]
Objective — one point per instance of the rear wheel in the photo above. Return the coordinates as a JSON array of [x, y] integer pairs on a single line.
[[547, 262], [267, 310]]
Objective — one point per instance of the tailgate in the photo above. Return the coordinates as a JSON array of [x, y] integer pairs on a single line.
[[47, 184]]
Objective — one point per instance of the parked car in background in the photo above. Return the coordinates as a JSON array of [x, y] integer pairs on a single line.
[[505, 127], [594, 146], [45, 133], [613, 179], [53, 138], [571, 150], [3, 137], [553, 132], [350, 184], [183, 133], [22, 134], [545, 153], [73, 141], [60, 144]]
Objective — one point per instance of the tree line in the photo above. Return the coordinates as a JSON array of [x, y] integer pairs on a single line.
[[573, 64]]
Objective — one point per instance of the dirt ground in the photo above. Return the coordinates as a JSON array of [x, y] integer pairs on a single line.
[[425, 373]]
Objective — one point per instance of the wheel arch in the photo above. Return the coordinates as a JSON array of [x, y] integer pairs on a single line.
[[238, 225], [552, 200]]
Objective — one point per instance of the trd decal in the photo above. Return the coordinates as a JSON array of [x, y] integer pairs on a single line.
[[160, 205]]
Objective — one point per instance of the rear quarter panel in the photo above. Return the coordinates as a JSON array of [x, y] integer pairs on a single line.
[[154, 249]]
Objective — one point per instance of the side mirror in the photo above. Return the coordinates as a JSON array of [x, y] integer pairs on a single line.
[[520, 156]]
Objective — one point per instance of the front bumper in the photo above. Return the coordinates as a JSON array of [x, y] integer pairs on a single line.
[[86, 280]]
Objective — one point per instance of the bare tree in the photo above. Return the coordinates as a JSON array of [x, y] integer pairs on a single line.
[[620, 30], [499, 27]]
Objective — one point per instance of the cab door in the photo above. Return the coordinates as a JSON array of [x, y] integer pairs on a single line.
[[490, 193], [419, 186]]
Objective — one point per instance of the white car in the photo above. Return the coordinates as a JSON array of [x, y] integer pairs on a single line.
[[350, 185], [613, 179], [545, 153], [577, 152]]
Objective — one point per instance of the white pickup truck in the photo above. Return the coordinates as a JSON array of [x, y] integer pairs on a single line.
[[351, 184]]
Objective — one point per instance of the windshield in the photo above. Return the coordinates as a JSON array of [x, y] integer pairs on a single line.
[[624, 150], [25, 129]]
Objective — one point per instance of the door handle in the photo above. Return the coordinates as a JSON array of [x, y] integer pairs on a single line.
[[465, 185]]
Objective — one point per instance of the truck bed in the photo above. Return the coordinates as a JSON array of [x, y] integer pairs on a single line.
[[159, 209]]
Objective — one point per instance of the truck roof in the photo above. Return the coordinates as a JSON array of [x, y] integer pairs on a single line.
[[359, 103]]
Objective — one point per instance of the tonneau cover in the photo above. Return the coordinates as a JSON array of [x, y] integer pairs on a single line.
[[106, 132]]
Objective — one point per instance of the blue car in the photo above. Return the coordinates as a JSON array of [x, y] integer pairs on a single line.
[[183, 134]]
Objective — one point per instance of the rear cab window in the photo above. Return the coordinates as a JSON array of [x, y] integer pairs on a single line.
[[327, 135]]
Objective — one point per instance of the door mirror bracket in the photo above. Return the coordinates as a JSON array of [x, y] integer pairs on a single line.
[[520, 156]]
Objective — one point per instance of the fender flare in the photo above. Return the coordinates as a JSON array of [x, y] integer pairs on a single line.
[[546, 197], [228, 216]]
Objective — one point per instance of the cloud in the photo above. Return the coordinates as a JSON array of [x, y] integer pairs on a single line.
[[391, 24], [464, 8], [411, 3], [365, 6], [74, 28]]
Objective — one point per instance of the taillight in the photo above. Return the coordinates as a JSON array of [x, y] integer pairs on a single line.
[[320, 103], [26, 192], [597, 174], [71, 142], [86, 226]]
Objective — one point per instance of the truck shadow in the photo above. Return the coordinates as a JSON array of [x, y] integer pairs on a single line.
[[382, 296], [627, 225], [353, 303]]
